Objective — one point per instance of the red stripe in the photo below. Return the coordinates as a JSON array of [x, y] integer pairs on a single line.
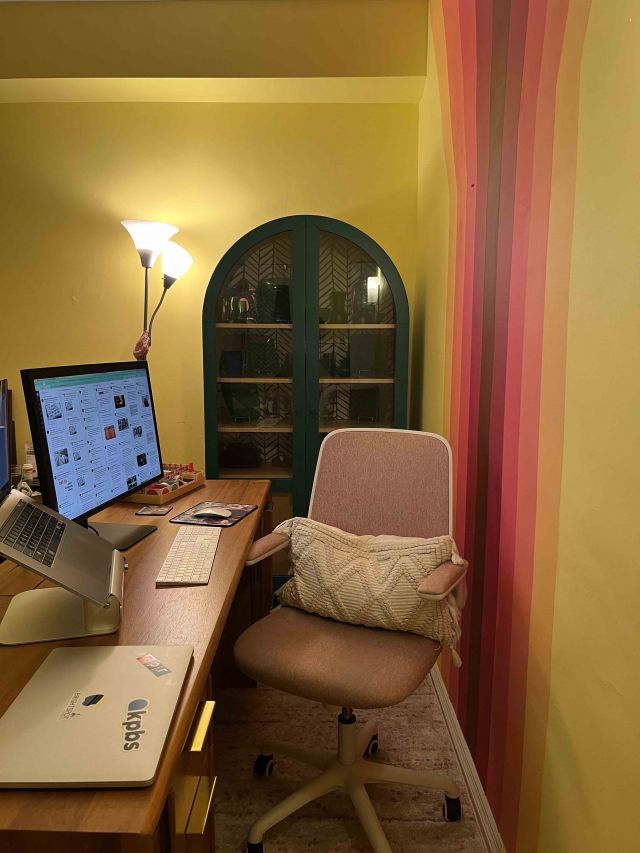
[[493, 569], [473, 340], [486, 484]]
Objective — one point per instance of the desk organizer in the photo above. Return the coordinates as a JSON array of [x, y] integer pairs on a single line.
[[143, 497]]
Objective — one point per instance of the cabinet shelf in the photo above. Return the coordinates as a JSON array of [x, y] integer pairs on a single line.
[[283, 425], [257, 380], [265, 472], [332, 424], [357, 326], [248, 326], [352, 380]]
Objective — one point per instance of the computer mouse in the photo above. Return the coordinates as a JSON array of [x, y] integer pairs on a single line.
[[212, 512]]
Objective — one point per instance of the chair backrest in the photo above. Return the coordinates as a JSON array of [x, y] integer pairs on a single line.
[[392, 481]]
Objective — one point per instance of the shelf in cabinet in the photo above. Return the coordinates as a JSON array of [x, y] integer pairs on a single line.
[[266, 472], [241, 326], [352, 380], [283, 425], [357, 326], [257, 380], [331, 424]]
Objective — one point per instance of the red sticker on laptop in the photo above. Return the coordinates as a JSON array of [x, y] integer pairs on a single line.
[[154, 665]]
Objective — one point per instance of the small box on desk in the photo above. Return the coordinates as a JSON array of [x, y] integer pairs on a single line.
[[144, 497]]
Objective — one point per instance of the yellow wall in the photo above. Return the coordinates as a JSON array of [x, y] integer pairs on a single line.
[[592, 770], [428, 310], [72, 285], [216, 38]]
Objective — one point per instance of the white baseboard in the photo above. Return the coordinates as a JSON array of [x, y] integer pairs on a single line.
[[479, 802]]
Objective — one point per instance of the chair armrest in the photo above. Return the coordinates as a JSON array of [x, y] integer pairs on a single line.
[[443, 580], [266, 546]]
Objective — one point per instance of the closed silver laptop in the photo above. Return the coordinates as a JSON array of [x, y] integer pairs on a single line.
[[93, 717]]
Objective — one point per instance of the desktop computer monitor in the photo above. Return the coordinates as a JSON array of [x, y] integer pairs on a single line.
[[95, 438]]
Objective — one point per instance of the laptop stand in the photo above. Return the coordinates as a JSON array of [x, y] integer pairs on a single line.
[[42, 615]]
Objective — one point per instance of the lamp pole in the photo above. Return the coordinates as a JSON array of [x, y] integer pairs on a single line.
[[146, 298]]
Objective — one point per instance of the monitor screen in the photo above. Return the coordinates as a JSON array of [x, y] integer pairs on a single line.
[[4, 437], [94, 434]]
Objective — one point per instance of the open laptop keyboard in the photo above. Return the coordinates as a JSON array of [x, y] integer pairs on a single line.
[[190, 558], [33, 532]]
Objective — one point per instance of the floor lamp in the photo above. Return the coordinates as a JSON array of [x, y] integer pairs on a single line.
[[152, 239]]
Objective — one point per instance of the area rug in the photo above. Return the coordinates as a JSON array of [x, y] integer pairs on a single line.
[[412, 734]]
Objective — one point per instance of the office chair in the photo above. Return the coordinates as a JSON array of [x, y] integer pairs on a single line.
[[367, 481]]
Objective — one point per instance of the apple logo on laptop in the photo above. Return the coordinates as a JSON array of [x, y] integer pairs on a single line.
[[92, 699]]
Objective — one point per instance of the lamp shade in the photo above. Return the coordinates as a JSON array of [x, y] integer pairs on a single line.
[[149, 238], [175, 262]]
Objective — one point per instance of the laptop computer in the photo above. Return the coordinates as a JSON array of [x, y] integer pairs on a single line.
[[93, 717], [45, 541]]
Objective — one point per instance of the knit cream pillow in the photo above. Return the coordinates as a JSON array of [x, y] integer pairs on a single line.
[[369, 580]]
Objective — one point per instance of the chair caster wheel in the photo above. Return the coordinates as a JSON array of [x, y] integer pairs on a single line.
[[451, 808], [263, 767], [255, 848], [372, 746]]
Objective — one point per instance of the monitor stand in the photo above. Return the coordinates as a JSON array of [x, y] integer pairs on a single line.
[[121, 536]]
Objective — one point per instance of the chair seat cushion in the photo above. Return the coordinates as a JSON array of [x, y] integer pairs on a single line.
[[333, 662]]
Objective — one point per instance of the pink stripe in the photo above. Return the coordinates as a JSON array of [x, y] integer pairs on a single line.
[[513, 379]]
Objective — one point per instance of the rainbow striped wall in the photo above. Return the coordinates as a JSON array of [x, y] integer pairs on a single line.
[[508, 73]]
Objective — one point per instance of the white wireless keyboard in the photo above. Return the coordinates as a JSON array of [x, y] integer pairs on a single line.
[[190, 558]]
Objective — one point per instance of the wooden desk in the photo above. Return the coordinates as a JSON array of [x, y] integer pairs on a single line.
[[142, 819]]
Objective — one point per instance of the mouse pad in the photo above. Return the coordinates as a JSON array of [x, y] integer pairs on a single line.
[[238, 511]]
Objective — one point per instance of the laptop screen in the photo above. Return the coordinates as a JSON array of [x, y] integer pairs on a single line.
[[4, 438]]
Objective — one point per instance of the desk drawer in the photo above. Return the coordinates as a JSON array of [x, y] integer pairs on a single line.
[[192, 789]]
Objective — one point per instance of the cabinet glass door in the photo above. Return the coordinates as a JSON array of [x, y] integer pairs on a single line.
[[351, 313], [254, 313]]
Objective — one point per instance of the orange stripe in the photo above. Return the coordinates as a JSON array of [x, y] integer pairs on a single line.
[[437, 25], [552, 416], [436, 20], [447, 38], [530, 416], [467, 244]]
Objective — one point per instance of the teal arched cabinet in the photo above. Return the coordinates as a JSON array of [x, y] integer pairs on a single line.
[[305, 330]]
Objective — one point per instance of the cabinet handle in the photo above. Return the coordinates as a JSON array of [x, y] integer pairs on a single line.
[[202, 726], [201, 807]]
